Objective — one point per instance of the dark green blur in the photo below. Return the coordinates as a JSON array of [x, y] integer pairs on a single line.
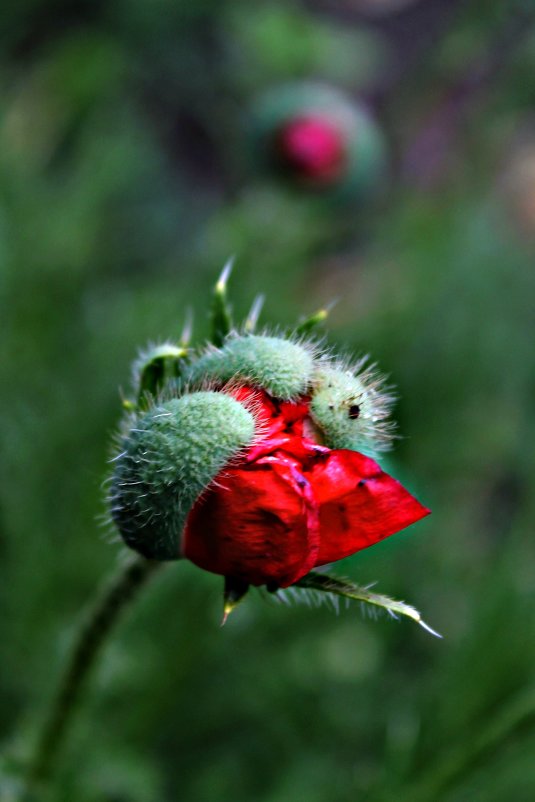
[[127, 180]]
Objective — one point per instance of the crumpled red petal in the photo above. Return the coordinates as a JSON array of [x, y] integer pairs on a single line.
[[360, 504], [259, 524], [291, 504]]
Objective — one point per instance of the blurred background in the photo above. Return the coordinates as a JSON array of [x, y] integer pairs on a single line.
[[131, 167]]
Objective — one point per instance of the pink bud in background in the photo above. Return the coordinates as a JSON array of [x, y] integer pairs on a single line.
[[313, 148]]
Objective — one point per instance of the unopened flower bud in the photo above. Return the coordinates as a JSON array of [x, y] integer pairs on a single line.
[[319, 138]]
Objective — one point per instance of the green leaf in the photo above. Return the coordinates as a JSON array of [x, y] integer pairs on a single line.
[[346, 589]]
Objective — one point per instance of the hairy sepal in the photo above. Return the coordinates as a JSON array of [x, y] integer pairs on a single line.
[[281, 367], [168, 456], [351, 407]]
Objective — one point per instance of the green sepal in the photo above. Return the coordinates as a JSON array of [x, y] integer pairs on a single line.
[[347, 590], [168, 456], [351, 408], [221, 318], [281, 367]]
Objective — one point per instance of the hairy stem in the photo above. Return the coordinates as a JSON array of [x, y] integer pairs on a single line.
[[114, 597]]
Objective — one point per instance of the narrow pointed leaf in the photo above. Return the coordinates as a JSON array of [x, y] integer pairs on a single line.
[[319, 317], [347, 590]]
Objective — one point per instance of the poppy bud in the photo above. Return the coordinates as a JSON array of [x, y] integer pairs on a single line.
[[282, 367], [259, 477], [319, 138], [168, 456]]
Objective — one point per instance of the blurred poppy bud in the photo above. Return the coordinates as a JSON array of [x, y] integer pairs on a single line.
[[320, 139]]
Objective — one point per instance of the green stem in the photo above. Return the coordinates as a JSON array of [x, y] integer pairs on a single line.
[[112, 600], [454, 766]]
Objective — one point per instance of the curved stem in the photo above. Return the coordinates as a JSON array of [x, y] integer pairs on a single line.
[[114, 597]]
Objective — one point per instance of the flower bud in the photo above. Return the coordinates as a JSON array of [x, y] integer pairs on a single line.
[[253, 472], [319, 138]]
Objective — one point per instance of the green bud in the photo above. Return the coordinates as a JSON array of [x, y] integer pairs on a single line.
[[281, 367], [168, 457], [351, 408]]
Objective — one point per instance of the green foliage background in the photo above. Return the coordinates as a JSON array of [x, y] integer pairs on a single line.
[[125, 183]]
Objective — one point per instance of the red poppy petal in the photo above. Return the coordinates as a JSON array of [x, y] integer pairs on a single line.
[[359, 504], [301, 448], [280, 423], [294, 412], [263, 406], [258, 523]]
